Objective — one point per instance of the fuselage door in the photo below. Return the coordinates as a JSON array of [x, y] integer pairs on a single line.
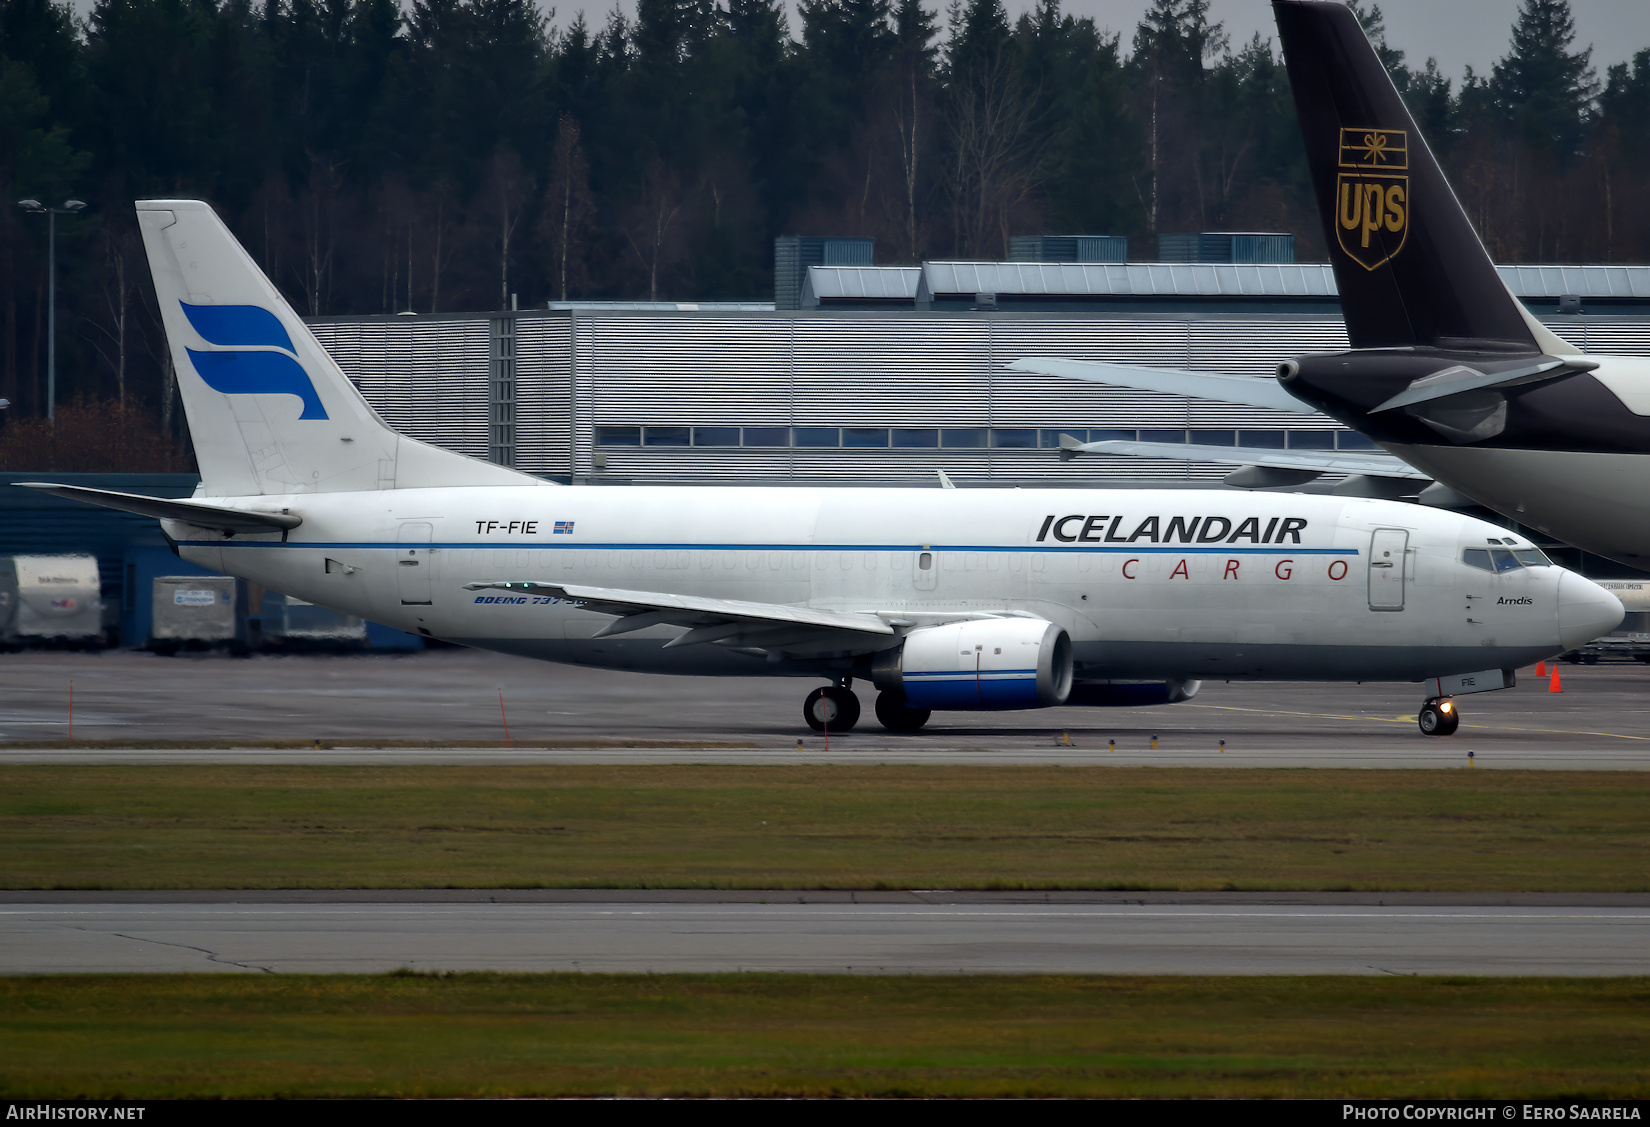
[[926, 570], [412, 563], [1386, 568]]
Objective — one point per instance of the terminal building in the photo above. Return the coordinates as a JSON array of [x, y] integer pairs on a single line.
[[885, 375]]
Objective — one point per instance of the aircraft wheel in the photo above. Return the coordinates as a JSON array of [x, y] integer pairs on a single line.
[[1439, 718], [893, 713], [832, 706]]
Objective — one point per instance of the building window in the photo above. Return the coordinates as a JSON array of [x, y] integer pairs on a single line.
[[1215, 437], [716, 436], [618, 436], [973, 437], [667, 436], [1112, 434], [1162, 436], [916, 438], [1261, 439], [1352, 440], [767, 436], [816, 436], [865, 436], [1311, 440], [1050, 439], [1014, 439]]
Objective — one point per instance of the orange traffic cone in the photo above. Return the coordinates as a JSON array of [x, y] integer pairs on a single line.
[[1553, 686], [1540, 669]]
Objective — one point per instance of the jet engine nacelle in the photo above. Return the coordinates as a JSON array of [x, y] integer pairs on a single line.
[[994, 663]]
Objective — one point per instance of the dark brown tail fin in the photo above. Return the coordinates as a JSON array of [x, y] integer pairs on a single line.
[[1411, 269]]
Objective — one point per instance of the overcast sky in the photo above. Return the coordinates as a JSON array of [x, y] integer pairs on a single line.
[[1458, 33]]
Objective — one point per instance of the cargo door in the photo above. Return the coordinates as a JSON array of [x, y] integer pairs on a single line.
[[412, 564], [1386, 568]]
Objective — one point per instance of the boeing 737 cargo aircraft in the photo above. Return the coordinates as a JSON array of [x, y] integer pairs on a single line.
[[1448, 370], [942, 599]]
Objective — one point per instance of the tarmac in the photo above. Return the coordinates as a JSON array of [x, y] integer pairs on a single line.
[[213, 708], [452, 706], [971, 937]]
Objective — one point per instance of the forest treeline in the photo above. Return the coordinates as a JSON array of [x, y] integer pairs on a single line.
[[447, 155]]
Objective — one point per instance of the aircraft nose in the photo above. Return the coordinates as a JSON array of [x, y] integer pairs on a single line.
[[1585, 610]]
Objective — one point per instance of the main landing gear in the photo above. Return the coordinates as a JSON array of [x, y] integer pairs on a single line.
[[1439, 717], [897, 716], [834, 708]]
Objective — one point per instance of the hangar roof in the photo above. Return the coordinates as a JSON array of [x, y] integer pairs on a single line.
[[862, 283], [1311, 282]]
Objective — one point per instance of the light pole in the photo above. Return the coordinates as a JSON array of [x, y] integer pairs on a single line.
[[69, 208]]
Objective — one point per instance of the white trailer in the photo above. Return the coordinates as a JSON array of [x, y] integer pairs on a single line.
[[50, 599]]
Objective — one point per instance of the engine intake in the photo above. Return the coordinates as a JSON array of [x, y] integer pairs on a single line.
[[983, 664]]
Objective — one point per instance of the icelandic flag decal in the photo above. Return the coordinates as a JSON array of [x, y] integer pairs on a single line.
[[564, 528]]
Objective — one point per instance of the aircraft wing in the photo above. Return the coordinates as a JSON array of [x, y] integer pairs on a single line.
[[1200, 385], [708, 620], [1319, 461], [219, 518]]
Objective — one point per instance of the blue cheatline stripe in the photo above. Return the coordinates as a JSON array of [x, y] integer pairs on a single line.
[[969, 674], [966, 675], [492, 546]]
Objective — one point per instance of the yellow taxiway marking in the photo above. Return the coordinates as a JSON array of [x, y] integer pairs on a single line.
[[1411, 720]]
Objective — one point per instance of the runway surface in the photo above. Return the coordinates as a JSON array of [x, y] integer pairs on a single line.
[[884, 938], [562, 714]]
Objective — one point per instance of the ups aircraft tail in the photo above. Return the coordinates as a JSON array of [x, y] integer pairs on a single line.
[[1411, 269], [269, 410]]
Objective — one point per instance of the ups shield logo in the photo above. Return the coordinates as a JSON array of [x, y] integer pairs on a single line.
[[1372, 194]]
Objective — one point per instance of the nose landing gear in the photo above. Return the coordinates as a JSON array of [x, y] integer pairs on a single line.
[[834, 707], [1439, 717]]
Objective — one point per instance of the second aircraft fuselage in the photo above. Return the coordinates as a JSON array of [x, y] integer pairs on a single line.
[[1148, 583]]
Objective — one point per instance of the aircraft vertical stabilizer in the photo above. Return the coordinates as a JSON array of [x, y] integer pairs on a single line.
[[269, 411], [1410, 267]]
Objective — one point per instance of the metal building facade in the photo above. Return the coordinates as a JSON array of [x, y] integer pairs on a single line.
[[590, 390]]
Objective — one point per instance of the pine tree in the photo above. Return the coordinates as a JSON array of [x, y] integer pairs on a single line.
[[1544, 88]]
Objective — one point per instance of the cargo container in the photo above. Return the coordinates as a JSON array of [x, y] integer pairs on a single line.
[[50, 599], [192, 612], [293, 624]]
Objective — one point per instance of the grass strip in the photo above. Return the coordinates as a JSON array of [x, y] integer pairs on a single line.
[[232, 1036], [197, 827], [352, 744]]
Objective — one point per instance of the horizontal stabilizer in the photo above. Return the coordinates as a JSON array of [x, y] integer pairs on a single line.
[[1319, 461], [218, 518], [1453, 381], [640, 609], [1172, 381]]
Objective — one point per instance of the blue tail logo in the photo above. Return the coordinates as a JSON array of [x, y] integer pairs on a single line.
[[245, 372]]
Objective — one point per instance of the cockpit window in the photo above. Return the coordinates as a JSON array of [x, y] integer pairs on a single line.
[[1478, 557], [1533, 557], [1504, 560]]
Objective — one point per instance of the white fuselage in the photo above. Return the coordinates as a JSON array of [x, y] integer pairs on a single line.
[[1219, 584]]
